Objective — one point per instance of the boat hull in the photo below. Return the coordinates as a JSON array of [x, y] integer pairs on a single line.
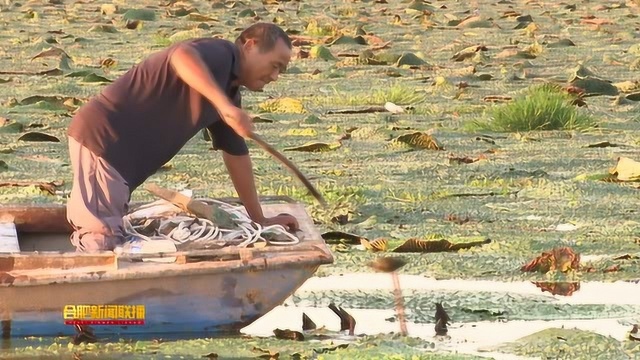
[[193, 304]]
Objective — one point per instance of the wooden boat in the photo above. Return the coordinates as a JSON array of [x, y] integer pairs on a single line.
[[202, 292]]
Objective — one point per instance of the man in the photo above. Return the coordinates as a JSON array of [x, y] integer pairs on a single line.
[[142, 120]]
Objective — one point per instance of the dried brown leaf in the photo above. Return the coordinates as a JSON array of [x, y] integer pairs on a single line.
[[561, 259], [558, 288]]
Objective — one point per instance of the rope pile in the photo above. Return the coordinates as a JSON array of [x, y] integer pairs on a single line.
[[163, 220]]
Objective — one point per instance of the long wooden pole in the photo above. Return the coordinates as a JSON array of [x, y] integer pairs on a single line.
[[399, 304]]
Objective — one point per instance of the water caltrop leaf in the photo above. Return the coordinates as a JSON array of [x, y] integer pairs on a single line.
[[11, 127], [418, 140], [595, 86], [140, 14], [315, 147], [561, 43], [410, 59], [321, 52], [103, 29], [38, 136], [302, 132], [95, 78], [283, 105], [561, 259], [433, 246], [626, 169]]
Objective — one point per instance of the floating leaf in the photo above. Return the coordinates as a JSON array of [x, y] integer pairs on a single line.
[[108, 9], [595, 86], [376, 245], [95, 78], [371, 109], [103, 29], [9, 127], [418, 140], [474, 22], [140, 14], [3, 166], [49, 187], [602, 144], [288, 335], [334, 237], [561, 259], [347, 40], [321, 52], [315, 147], [558, 288], [410, 59], [633, 97], [468, 53], [247, 13], [330, 349], [51, 52], [302, 132], [561, 43], [626, 170], [38, 136], [283, 105], [432, 246], [50, 102], [627, 86]]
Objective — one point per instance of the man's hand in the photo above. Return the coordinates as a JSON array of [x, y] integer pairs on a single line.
[[238, 120], [288, 221]]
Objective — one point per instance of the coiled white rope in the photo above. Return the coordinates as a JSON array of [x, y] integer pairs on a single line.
[[190, 229]]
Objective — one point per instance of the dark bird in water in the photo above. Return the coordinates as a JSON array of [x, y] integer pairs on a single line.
[[442, 320]]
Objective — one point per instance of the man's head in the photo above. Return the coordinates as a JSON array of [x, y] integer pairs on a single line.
[[266, 51]]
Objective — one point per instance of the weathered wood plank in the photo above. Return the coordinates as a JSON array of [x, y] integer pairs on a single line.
[[33, 261], [8, 238]]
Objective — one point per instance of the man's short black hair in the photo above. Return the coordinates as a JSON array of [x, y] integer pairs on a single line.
[[265, 35]]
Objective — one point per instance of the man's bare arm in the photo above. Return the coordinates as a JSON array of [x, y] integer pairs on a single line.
[[241, 172]]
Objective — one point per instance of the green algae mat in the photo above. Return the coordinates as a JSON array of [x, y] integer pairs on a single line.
[[479, 140]]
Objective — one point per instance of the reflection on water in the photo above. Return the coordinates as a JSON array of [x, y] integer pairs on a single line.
[[558, 288]]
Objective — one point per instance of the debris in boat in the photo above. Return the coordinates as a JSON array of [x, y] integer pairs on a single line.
[[347, 322], [431, 246], [561, 259], [307, 323], [288, 335], [84, 334], [211, 356], [442, 320], [558, 288], [187, 223]]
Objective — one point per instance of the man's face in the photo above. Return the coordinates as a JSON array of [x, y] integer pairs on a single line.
[[262, 68]]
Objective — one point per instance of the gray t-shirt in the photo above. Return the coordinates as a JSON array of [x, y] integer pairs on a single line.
[[142, 120]]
